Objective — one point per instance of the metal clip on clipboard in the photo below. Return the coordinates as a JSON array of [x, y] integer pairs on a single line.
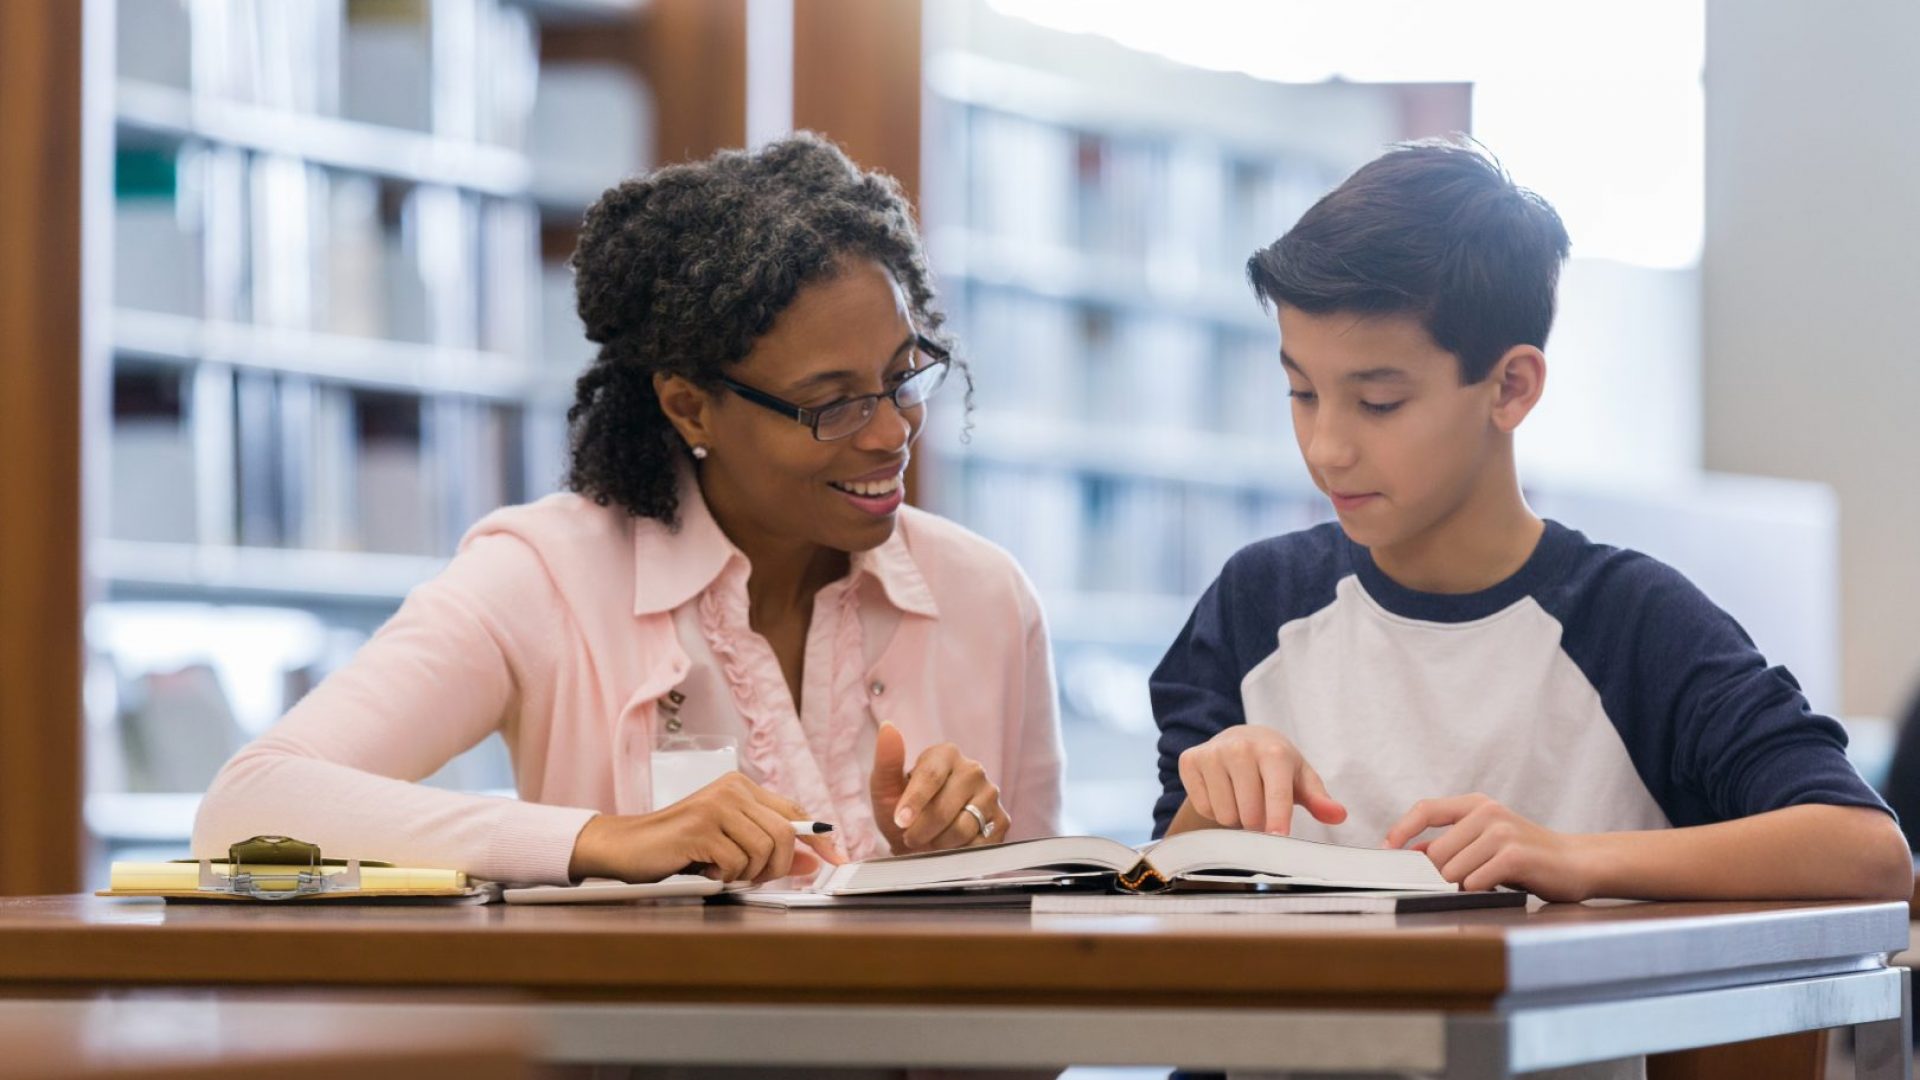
[[305, 873]]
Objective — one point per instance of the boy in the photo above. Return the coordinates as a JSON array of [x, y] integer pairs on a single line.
[[1537, 710]]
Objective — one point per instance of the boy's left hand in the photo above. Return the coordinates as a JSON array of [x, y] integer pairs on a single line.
[[1490, 845]]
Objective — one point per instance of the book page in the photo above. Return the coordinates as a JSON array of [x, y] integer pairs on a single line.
[[1069, 854], [1291, 859]]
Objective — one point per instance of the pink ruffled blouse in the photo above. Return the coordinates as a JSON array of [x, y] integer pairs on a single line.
[[577, 631]]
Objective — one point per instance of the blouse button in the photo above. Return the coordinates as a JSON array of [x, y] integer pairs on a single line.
[[877, 688]]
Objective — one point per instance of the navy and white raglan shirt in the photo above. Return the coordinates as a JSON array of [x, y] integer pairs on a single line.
[[1595, 690]]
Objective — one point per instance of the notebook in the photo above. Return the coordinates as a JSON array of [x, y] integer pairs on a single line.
[[1210, 859]]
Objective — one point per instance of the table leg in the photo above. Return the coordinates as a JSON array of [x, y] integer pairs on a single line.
[[1883, 1050], [1478, 1049]]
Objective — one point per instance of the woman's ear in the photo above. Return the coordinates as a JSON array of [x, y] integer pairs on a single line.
[[687, 407], [1518, 379]]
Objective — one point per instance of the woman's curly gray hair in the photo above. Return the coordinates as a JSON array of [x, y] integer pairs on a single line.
[[683, 269]]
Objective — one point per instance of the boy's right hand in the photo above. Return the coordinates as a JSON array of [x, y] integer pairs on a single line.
[[1251, 777], [732, 830]]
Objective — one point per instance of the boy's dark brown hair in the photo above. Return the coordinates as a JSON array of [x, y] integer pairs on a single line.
[[1434, 229]]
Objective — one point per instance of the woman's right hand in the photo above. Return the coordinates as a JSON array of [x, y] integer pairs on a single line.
[[731, 830]]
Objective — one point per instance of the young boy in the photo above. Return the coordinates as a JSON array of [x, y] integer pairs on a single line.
[[1535, 709]]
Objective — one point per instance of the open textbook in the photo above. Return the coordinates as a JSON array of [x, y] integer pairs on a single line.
[[1204, 859]]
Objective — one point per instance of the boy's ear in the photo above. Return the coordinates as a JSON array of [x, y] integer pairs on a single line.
[[1518, 378], [687, 407]]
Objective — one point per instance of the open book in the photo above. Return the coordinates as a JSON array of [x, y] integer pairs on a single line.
[[1204, 859]]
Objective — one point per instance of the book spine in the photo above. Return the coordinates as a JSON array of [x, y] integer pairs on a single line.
[[1142, 878]]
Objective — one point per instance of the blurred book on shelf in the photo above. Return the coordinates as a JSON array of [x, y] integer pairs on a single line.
[[356, 293], [157, 215], [284, 241], [480, 468], [262, 507], [151, 459], [444, 244], [591, 127], [1024, 352], [506, 269], [283, 55], [563, 337], [392, 477], [387, 61], [227, 227], [463, 69], [330, 516], [153, 42]]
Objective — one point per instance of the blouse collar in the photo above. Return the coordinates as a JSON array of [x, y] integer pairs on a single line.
[[674, 565]]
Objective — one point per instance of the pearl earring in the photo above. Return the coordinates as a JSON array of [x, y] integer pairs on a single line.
[[700, 453]]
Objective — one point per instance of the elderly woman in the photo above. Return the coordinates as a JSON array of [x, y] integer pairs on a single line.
[[735, 558]]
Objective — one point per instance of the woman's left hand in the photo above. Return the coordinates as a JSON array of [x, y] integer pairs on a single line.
[[946, 801]]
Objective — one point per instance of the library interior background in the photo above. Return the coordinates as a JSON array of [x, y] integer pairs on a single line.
[[314, 318]]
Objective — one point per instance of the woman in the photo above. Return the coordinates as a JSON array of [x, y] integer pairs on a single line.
[[734, 558]]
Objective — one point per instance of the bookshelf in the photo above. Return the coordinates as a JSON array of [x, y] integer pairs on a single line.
[[339, 330], [1088, 209], [188, 343], [147, 568], [148, 113], [43, 276]]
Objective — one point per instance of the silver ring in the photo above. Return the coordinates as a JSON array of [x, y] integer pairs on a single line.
[[986, 827]]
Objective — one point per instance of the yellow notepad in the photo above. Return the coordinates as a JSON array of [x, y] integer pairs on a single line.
[[278, 869], [183, 879]]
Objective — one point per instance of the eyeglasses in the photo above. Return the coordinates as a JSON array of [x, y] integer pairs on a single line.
[[845, 418]]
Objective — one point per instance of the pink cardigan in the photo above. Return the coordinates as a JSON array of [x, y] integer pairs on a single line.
[[565, 625]]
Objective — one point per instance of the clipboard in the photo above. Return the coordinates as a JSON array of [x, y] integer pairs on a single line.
[[280, 869]]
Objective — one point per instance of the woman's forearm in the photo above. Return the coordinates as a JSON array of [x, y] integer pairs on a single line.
[[352, 813]]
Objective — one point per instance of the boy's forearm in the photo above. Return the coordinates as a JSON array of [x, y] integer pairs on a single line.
[[1798, 853]]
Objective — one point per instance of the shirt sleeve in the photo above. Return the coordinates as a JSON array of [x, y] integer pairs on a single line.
[[341, 769], [1035, 802], [1195, 691], [1716, 732]]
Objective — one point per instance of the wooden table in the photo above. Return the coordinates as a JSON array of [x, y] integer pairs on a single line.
[[203, 1037], [1469, 994]]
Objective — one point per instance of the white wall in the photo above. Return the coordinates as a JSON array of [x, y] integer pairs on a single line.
[[1811, 289], [1622, 404], [1781, 591]]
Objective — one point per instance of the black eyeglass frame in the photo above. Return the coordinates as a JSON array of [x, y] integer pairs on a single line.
[[942, 358]]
